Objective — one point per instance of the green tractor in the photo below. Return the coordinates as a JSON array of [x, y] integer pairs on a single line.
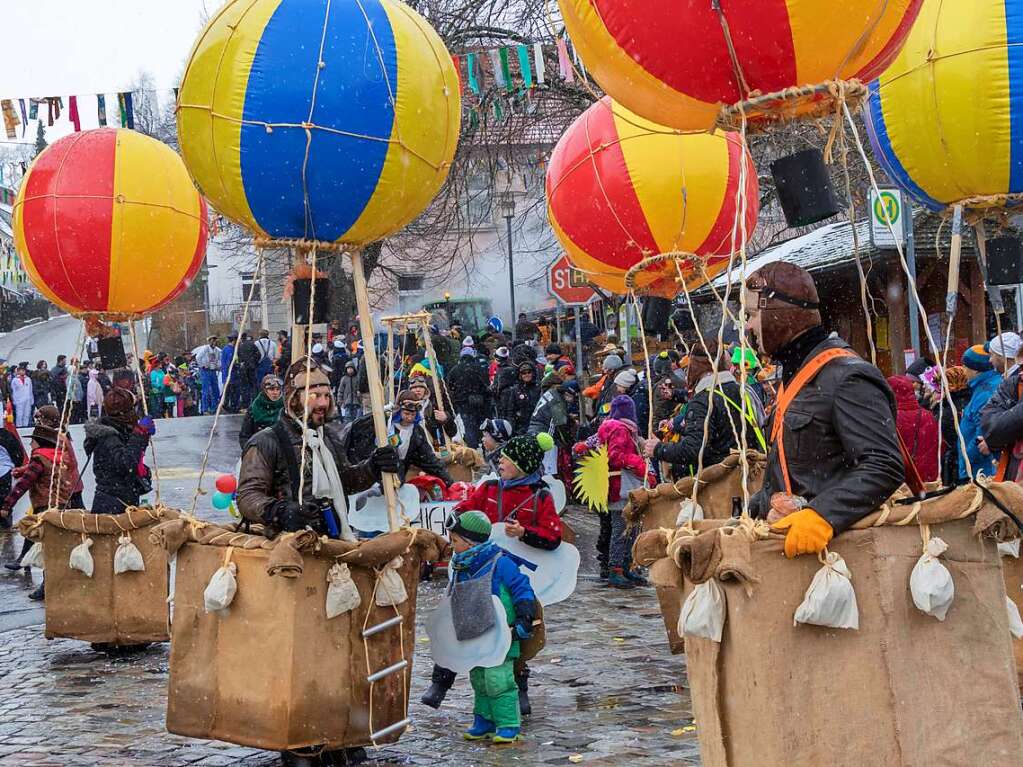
[[471, 313]]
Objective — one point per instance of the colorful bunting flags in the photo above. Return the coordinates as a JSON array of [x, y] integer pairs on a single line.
[[11, 120], [564, 62], [73, 116], [101, 110], [527, 73], [24, 117]]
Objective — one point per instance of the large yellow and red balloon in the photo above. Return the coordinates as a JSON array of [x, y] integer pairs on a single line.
[[107, 222], [621, 189], [670, 61], [946, 119]]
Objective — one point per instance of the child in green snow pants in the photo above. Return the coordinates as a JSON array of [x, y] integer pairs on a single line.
[[497, 694]]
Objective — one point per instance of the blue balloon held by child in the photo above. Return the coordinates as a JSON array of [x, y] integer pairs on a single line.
[[221, 500]]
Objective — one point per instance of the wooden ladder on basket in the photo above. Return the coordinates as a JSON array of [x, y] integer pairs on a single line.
[[376, 676]]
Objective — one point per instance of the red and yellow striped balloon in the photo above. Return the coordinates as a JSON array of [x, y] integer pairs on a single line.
[[108, 223], [621, 189], [670, 61]]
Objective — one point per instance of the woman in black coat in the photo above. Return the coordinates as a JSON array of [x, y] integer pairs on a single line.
[[518, 402], [116, 442]]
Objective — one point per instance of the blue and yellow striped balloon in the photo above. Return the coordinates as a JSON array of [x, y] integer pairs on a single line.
[[946, 118], [326, 120]]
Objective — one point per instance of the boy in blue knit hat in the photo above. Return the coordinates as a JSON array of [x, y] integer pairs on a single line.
[[496, 708]]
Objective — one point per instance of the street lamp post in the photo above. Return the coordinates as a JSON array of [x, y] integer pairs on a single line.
[[508, 211]]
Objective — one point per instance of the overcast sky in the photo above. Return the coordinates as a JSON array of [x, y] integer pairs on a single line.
[[84, 47]]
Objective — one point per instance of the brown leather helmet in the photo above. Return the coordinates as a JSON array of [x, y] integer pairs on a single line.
[[296, 381], [784, 304]]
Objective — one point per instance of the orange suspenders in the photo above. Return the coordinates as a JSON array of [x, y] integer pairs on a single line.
[[788, 393]]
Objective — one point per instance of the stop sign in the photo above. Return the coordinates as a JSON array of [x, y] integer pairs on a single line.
[[568, 284]]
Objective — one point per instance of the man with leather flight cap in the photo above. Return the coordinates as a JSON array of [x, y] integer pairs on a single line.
[[834, 454]]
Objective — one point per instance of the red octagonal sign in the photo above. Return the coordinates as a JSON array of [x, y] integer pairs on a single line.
[[568, 284]]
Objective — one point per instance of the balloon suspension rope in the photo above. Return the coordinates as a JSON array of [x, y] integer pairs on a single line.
[[145, 406], [308, 373], [260, 255], [946, 393], [432, 357], [65, 416], [739, 236], [864, 288]]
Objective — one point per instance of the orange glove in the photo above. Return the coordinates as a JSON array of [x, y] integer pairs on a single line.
[[808, 532]]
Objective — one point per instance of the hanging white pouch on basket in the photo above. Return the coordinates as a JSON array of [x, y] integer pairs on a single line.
[[342, 593], [703, 612], [81, 557], [688, 512], [34, 558], [127, 557], [222, 587], [930, 583], [391, 588], [1009, 548], [830, 600], [1015, 622]]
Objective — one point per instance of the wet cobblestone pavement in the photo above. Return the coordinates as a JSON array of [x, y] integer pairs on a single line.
[[605, 691]]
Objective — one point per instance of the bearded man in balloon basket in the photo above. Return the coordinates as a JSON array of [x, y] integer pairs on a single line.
[[268, 487], [840, 455]]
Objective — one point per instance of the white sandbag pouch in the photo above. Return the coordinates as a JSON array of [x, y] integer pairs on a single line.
[[342, 593], [127, 557], [391, 588], [81, 557], [703, 612], [930, 583], [34, 558], [1015, 622], [688, 512], [830, 599], [1009, 548], [221, 589]]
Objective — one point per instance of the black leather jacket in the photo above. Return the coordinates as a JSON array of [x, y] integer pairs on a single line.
[[841, 443]]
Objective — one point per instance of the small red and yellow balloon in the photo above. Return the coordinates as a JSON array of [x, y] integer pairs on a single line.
[[673, 62], [108, 224], [621, 189]]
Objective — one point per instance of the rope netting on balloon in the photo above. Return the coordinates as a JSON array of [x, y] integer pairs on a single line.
[[242, 325]]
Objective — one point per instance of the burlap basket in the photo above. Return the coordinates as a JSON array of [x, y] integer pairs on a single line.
[[659, 506], [274, 672], [1012, 567], [903, 689], [123, 609]]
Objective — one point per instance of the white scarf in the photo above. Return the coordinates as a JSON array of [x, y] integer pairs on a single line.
[[326, 480]]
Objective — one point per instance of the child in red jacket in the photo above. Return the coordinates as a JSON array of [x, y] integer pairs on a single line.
[[520, 499], [620, 433]]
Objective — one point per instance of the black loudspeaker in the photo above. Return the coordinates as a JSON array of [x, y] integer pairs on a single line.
[[804, 188], [1004, 261], [111, 353], [300, 300], [656, 313], [682, 320]]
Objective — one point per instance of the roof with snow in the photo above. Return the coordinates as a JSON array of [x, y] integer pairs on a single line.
[[829, 246], [832, 246]]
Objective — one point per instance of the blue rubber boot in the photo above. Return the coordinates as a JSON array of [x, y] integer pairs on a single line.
[[507, 735], [618, 580], [481, 729]]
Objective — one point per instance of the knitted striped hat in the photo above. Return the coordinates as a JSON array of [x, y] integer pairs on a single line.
[[526, 451], [472, 525], [977, 358]]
